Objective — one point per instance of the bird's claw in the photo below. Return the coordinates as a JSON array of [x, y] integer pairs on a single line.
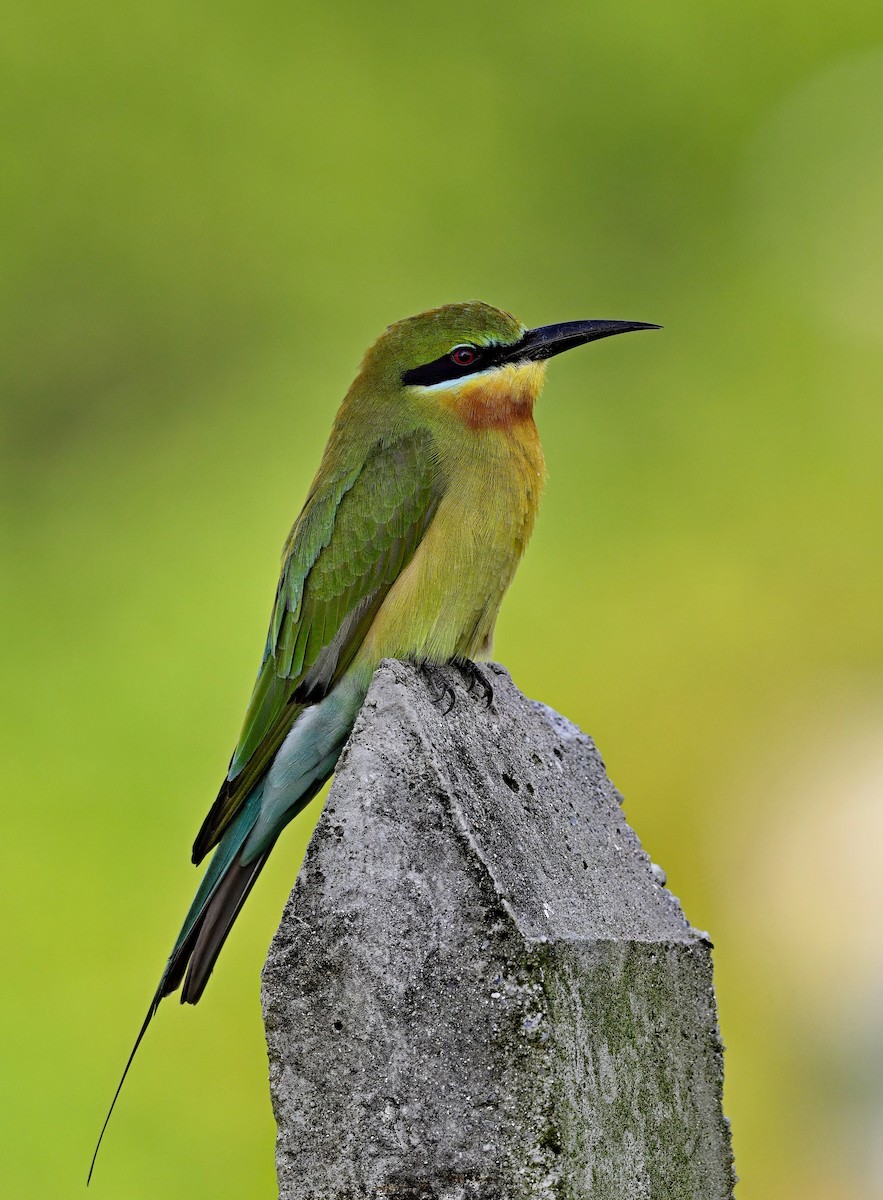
[[477, 683], [476, 680], [443, 689]]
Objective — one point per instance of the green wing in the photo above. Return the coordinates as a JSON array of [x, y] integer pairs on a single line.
[[356, 533]]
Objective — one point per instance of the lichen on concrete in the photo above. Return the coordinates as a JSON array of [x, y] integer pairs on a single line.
[[480, 986]]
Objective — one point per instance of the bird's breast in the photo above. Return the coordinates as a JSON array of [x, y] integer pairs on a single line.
[[446, 600]]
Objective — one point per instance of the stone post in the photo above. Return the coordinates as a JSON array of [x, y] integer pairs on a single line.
[[480, 986]]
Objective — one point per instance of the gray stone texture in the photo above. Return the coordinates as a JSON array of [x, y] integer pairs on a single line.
[[480, 986]]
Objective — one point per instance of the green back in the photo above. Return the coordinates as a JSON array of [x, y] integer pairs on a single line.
[[357, 531]]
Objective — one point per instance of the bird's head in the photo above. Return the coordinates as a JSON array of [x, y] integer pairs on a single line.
[[474, 360]]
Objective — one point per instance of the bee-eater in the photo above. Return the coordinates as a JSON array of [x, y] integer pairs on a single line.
[[410, 535]]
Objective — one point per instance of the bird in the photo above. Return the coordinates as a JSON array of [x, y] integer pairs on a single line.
[[423, 504]]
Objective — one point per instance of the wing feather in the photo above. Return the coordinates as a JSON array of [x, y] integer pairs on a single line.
[[353, 538]]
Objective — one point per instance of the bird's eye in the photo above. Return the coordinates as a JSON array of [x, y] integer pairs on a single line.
[[463, 356]]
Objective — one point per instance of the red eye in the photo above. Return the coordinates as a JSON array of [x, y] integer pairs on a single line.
[[463, 356]]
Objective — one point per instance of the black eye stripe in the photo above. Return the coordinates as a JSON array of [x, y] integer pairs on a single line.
[[445, 368]]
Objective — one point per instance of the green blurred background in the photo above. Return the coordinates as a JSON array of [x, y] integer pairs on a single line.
[[207, 211]]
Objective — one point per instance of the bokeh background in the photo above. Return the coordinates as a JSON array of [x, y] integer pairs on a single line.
[[207, 211]]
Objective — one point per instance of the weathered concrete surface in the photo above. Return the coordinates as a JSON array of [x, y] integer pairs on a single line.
[[480, 987]]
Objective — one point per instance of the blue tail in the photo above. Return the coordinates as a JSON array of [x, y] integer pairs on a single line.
[[303, 763], [225, 881]]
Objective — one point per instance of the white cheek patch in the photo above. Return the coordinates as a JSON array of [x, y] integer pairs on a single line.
[[454, 385]]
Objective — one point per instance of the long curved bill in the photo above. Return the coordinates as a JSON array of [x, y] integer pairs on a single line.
[[549, 340]]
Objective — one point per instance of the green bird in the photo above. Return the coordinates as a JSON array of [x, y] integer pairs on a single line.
[[409, 537]]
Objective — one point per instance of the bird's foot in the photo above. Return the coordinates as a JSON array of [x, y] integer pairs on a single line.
[[477, 683], [439, 687], [476, 680]]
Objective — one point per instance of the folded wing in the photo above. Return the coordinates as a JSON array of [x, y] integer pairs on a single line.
[[356, 533]]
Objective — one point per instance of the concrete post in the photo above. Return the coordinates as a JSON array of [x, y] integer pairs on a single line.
[[480, 986]]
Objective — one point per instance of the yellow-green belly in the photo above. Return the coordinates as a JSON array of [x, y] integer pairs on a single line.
[[446, 600]]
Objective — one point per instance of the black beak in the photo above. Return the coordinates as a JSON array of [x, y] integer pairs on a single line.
[[549, 340]]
